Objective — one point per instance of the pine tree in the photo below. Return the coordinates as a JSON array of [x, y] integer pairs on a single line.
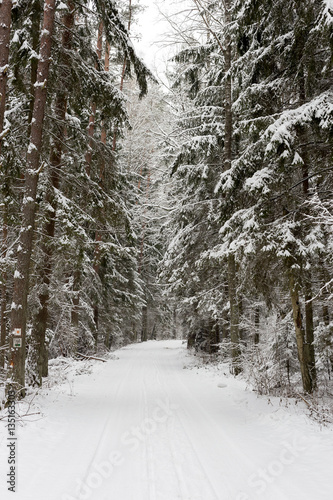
[[5, 23], [38, 357], [5, 18], [64, 97], [274, 140], [21, 277], [270, 53]]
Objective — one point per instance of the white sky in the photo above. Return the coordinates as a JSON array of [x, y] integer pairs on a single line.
[[155, 46]]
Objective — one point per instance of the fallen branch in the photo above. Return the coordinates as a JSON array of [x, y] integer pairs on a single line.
[[91, 357], [29, 414], [310, 405], [21, 416], [307, 402]]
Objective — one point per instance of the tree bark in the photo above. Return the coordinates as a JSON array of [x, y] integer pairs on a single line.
[[4, 247], [144, 331], [309, 350], [227, 92], [98, 236], [214, 336], [22, 273], [225, 334], [309, 335], [324, 278], [5, 22], [5, 25], [38, 356], [242, 331], [97, 256], [122, 79], [232, 286], [300, 334], [257, 325], [234, 315], [174, 323], [91, 126], [326, 313], [35, 32], [75, 307], [88, 158]]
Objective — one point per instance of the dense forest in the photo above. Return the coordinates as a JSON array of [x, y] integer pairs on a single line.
[[205, 211]]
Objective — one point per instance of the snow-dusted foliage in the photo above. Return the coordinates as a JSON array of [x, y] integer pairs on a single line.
[[271, 208], [208, 208], [84, 283]]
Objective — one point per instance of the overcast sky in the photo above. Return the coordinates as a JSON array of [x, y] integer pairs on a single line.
[[155, 46]]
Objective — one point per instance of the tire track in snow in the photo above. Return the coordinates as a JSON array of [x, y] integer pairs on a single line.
[[206, 449], [177, 467], [148, 448], [233, 450], [179, 434], [110, 415]]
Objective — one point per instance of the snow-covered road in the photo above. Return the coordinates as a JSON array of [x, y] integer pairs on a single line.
[[144, 428]]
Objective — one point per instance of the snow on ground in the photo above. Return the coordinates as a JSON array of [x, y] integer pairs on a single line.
[[141, 427]]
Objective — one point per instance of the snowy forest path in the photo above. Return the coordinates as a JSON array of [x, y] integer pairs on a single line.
[[142, 427]]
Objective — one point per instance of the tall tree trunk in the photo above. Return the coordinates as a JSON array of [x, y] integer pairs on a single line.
[[143, 225], [38, 356], [227, 92], [35, 33], [324, 278], [75, 307], [122, 79], [144, 331], [4, 247], [91, 126], [242, 331], [88, 158], [98, 236], [257, 325], [214, 335], [234, 315], [22, 273], [309, 327], [300, 334], [325, 311], [232, 276], [97, 261], [5, 22], [174, 323], [309, 335], [225, 314]]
